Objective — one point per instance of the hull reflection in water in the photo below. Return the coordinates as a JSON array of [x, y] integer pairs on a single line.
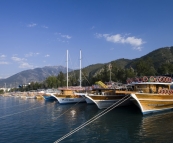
[[157, 127]]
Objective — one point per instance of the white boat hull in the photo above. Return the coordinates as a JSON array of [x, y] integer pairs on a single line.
[[69, 100], [103, 102], [107, 103], [88, 101]]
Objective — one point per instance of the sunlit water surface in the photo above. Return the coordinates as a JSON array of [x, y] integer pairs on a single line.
[[38, 121]]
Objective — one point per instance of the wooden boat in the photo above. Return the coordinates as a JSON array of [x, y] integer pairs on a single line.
[[48, 94], [104, 96], [71, 94], [152, 94]]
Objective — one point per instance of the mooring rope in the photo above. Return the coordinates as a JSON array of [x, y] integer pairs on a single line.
[[95, 117]]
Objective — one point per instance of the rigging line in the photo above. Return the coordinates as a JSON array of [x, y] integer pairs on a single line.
[[73, 72], [94, 118], [85, 77], [68, 109], [15, 106], [22, 111], [62, 60]]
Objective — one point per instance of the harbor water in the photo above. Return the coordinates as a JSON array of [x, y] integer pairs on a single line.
[[39, 121]]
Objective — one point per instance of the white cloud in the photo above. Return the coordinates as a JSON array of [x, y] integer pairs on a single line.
[[47, 55], [63, 36], [32, 25], [66, 36], [18, 59], [25, 65], [137, 48], [136, 43], [93, 27], [44, 26], [2, 56], [22, 62], [3, 63], [31, 54]]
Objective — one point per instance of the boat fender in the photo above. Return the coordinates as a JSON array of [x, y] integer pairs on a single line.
[[160, 79], [160, 91], [144, 79], [164, 79], [166, 91], [170, 91], [163, 91], [152, 79]]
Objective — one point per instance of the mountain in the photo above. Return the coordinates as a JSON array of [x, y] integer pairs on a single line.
[[157, 57], [32, 75]]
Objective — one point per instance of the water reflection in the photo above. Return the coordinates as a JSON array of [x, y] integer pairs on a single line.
[[157, 127], [52, 121]]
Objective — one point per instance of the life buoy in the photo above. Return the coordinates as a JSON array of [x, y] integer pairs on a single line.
[[166, 91], [152, 79], [163, 79], [163, 91], [129, 80], [144, 79], [157, 79], [170, 92], [160, 91], [140, 79], [160, 79], [166, 79], [136, 79], [170, 79]]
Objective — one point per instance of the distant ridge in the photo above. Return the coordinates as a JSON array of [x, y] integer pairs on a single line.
[[158, 57], [32, 75]]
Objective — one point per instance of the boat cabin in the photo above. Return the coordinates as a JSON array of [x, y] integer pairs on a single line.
[[152, 87]]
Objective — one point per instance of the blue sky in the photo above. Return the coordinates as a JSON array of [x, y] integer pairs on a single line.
[[37, 33]]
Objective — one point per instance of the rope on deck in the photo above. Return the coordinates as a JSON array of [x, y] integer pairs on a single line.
[[95, 117]]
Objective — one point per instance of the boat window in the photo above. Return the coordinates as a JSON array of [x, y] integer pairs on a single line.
[[171, 86], [68, 96], [141, 86]]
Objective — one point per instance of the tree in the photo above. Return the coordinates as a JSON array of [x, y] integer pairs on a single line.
[[51, 82], [61, 79], [145, 68], [104, 74], [166, 68]]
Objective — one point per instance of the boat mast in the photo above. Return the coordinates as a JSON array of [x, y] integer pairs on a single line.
[[110, 67], [80, 71], [67, 68]]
